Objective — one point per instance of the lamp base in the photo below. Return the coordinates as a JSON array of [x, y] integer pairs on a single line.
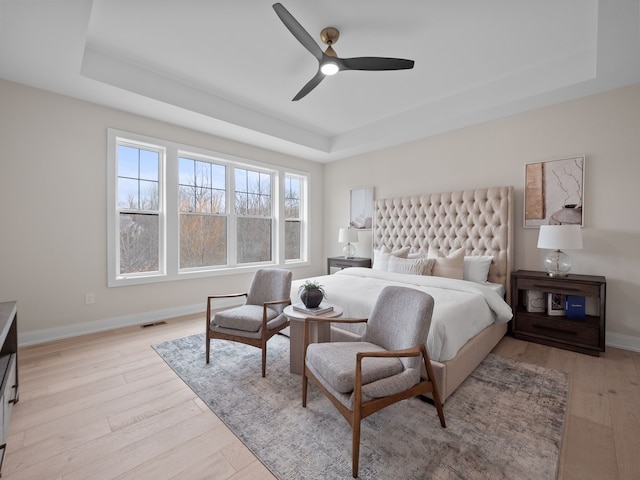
[[349, 251], [557, 264]]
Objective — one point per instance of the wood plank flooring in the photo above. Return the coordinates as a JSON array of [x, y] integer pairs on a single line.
[[106, 406]]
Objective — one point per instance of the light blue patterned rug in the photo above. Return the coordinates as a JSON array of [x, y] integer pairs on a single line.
[[505, 421]]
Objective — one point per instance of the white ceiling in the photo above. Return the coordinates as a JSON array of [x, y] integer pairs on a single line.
[[231, 68]]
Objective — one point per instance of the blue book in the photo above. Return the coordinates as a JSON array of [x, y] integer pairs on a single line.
[[575, 306]]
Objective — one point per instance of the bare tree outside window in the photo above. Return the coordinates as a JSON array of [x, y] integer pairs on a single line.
[[138, 243], [253, 206], [203, 220]]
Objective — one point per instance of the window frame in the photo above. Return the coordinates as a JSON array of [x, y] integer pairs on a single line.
[[115, 211], [302, 216], [169, 235]]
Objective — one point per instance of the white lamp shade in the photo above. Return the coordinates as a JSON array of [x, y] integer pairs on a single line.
[[560, 237], [347, 235]]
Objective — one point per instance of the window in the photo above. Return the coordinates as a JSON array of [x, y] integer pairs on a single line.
[[178, 212], [202, 197], [292, 217], [138, 209]]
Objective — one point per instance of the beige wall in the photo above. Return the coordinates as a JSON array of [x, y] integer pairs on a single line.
[[53, 202], [53, 224], [605, 128]]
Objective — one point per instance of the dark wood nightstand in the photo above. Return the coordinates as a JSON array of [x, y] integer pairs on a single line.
[[8, 368], [341, 262], [584, 335]]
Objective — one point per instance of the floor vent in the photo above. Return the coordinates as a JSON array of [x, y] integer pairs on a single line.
[[147, 325]]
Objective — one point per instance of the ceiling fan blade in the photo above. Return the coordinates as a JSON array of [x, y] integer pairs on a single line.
[[375, 63], [311, 84], [298, 31]]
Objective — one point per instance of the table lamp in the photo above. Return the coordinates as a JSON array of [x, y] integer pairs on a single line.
[[558, 238], [348, 235]]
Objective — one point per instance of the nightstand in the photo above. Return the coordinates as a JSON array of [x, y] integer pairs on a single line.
[[341, 262], [584, 335]]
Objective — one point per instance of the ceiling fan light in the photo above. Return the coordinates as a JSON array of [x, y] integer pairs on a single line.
[[329, 68]]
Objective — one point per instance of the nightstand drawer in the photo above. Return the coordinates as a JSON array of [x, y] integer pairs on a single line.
[[558, 328], [342, 262], [552, 285]]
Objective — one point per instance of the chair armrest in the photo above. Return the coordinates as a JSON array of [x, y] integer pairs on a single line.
[[278, 302], [419, 350], [407, 352], [227, 295], [212, 297], [284, 301]]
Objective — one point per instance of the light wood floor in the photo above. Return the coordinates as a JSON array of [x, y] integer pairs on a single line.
[[106, 406]]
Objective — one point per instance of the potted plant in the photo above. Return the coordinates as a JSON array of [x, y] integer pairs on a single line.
[[311, 293]]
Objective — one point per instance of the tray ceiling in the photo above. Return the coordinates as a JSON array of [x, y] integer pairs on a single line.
[[231, 68]]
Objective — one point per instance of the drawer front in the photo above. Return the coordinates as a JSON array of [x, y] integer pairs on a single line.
[[556, 329], [10, 393], [550, 285], [339, 264]]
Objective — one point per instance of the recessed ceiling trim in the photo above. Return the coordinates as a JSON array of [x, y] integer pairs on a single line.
[[99, 65]]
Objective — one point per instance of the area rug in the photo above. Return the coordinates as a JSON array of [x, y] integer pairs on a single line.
[[505, 421]]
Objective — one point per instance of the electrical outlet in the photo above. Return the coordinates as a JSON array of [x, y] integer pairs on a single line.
[[89, 298]]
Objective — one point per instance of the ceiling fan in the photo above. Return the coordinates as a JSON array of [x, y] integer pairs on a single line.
[[329, 62]]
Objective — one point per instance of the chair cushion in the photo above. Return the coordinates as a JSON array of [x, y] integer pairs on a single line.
[[335, 362], [390, 385], [247, 318]]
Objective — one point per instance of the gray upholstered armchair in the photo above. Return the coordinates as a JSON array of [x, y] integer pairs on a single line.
[[361, 378], [261, 316]]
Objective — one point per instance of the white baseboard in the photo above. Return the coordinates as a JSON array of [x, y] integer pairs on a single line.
[[96, 326], [616, 340], [626, 342]]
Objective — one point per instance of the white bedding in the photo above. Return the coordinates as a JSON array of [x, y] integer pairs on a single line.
[[462, 309]]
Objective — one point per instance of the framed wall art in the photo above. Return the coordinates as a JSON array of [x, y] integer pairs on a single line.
[[361, 212], [554, 192]]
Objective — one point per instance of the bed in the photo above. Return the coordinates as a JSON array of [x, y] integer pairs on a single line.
[[472, 228]]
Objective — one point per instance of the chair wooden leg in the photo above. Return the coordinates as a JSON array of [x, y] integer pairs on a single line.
[[206, 332], [438, 404], [304, 387], [264, 359], [355, 448], [435, 393]]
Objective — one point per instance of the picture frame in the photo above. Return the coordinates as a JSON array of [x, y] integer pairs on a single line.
[[555, 304], [361, 208], [554, 192]]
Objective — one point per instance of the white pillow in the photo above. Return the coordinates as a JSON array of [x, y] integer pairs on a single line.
[[381, 257], [476, 268], [411, 266], [451, 266]]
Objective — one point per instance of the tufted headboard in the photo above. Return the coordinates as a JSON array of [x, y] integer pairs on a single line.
[[480, 220]]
